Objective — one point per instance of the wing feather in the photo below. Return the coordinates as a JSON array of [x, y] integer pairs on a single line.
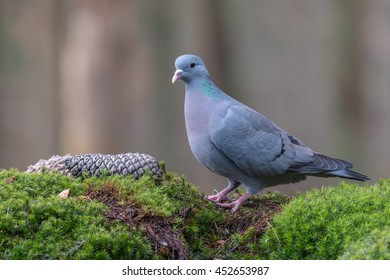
[[255, 144]]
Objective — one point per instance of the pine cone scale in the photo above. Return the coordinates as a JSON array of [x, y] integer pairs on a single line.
[[134, 164]]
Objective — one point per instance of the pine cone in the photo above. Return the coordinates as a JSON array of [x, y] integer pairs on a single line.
[[93, 164]]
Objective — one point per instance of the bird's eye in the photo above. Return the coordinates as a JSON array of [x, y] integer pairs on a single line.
[[192, 65]]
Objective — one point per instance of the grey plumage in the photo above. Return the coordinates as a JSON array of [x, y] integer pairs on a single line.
[[134, 164], [237, 142]]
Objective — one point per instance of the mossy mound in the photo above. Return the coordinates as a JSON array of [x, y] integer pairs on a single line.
[[115, 217], [374, 246], [323, 222]]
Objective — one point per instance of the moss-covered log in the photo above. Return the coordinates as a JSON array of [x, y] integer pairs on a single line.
[[119, 217]]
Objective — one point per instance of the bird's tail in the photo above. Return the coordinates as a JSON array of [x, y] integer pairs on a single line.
[[325, 166], [349, 174]]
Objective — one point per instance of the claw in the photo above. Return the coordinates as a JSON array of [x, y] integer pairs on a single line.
[[222, 194], [218, 198], [235, 204], [215, 198]]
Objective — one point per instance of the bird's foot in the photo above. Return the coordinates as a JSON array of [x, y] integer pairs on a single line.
[[218, 198], [235, 204], [221, 195]]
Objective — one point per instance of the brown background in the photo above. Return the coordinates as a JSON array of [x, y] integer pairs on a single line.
[[94, 76]]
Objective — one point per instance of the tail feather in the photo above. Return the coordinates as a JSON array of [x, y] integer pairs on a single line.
[[349, 174], [325, 166]]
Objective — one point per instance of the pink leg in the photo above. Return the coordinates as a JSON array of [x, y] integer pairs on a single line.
[[222, 194], [235, 204], [219, 196]]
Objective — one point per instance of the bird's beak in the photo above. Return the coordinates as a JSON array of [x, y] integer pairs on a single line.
[[177, 75]]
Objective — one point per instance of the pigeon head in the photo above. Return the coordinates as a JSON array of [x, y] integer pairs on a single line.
[[188, 68]]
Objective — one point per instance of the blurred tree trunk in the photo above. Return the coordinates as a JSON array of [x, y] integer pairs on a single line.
[[28, 81], [94, 54], [373, 84]]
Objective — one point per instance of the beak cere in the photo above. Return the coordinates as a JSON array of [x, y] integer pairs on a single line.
[[177, 75]]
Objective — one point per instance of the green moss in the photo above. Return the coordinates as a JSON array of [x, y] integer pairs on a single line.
[[114, 217], [319, 224], [36, 224], [143, 192], [244, 236], [374, 246]]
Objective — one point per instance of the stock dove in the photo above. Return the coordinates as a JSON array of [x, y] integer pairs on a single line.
[[238, 143]]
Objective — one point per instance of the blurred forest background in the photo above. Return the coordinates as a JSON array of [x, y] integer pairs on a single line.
[[94, 76]]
